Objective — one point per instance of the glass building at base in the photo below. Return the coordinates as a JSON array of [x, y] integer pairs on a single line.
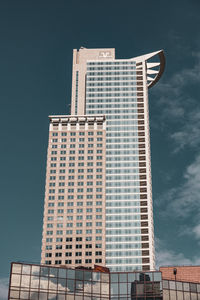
[[41, 282]]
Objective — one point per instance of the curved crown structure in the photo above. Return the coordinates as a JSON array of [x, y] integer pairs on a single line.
[[154, 69]]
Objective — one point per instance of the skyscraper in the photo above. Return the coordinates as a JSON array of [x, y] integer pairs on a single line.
[[114, 217]]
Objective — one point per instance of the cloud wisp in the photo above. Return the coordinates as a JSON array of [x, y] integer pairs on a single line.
[[3, 288], [178, 103], [168, 257], [185, 198]]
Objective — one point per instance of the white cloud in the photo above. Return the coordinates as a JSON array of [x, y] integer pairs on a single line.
[[3, 288], [168, 257], [178, 105], [185, 198]]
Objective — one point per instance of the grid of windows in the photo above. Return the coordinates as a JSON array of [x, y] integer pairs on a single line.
[[112, 88], [72, 185], [46, 282]]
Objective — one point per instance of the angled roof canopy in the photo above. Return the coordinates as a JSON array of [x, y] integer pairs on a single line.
[[153, 75]]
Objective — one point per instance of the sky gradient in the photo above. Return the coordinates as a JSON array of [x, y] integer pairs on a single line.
[[37, 39]]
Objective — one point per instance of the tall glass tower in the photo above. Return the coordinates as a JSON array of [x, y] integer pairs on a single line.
[[117, 90]]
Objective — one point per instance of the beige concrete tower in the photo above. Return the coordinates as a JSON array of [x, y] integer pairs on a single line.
[[74, 211], [117, 91]]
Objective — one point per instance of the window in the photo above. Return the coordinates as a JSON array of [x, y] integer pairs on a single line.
[[61, 198], [68, 262], [78, 246], [68, 239], [62, 171], [89, 217], [68, 247], [69, 211], [59, 225], [59, 240], [81, 133], [90, 133], [58, 246], [68, 254], [89, 210], [98, 260], [58, 254], [48, 254], [89, 176], [54, 134], [88, 238], [80, 170], [88, 253], [98, 253], [88, 245], [71, 164], [49, 240], [98, 245], [78, 261], [90, 164], [88, 261], [49, 225], [61, 184], [59, 232], [78, 253], [60, 211], [50, 211], [51, 197], [89, 224], [63, 133], [90, 170]]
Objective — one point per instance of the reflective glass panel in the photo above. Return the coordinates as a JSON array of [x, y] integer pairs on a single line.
[[24, 295], [114, 277], [172, 285], [53, 272], [104, 277], [25, 281], [71, 274], [96, 276], [62, 284], [34, 282], [193, 287], [114, 288], [179, 286], [123, 288], [186, 296], [172, 295], [70, 285], [34, 295], [43, 283], [35, 270], [62, 273], [42, 296], [15, 280], [186, 286], [53, 283], [44, 271], [26, 269], [131, 277], [179, 295], [14, 293], [193, 296], [16, 268], [79, 274], [123, 277], [96, 288], [165, 295]]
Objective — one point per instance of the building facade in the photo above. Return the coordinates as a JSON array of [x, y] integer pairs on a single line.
[[40, 282], [74, 212], [117, 90]]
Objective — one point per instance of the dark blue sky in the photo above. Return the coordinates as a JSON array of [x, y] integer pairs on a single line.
[[37, 39]]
